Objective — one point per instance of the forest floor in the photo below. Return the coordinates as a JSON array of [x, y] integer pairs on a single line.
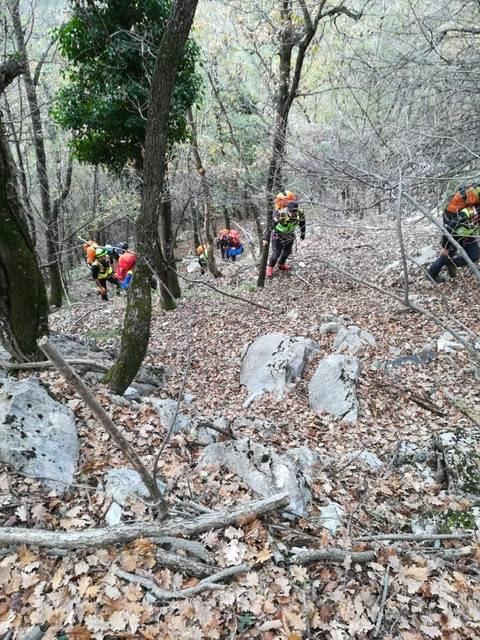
[[409, 591]]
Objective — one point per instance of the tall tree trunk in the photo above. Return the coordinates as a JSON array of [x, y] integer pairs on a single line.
[[23, 299], [21, 172], [289, 75], [168, 241], [51, 228], [208, 223], [195, 225], [136, 329]]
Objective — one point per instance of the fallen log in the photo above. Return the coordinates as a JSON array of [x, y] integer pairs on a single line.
[[118, 534]]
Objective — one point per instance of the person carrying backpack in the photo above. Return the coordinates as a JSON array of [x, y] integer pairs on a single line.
[[234, 246], [202, 254], [285, 220], [102, 272], [222, 242], [125, 263], [461, 220]]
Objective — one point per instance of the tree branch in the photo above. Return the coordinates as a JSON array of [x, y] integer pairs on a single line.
[[79, 386], [106, 536]]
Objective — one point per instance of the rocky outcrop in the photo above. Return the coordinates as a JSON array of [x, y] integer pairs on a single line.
[[333, 387], [38, 436], [263, 470], [272, 362]]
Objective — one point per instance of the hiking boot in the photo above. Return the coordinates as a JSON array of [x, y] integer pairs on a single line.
[[438, 279], [284, 267], [452, 271], [269, 272]]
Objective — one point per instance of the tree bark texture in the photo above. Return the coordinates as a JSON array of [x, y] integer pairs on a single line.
[[136, 328], [51, 229], [23, 299], [168, 241]]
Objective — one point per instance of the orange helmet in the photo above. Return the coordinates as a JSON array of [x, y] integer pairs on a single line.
[[282, 199]]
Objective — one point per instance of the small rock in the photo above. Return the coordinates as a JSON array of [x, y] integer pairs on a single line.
[[331, 517], [114, 514], [167, 408], [124, 483], [351, 339], [366, 457], [193, 266], [448, 344], [131, 393], [330, 327], [261, 469]]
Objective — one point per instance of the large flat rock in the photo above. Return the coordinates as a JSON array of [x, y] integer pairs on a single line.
[[38, 436]]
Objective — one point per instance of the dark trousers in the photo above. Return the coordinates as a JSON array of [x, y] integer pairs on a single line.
[[281, 249], [452, 260]]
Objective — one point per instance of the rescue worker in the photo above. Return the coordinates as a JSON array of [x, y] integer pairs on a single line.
[[125, 264], [285, 220], [90, 248], [102, 272], [461, 219], [234, 246], [202, 254], [222, 242]]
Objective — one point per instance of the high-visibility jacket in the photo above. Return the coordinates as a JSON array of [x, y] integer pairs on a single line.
[[465, 196], [464, 226], [100, 270]]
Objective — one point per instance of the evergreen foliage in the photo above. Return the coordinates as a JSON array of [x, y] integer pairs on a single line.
[[110, 48]]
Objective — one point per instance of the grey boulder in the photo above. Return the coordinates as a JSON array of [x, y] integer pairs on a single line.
[[167, 408], [261, 469], [333, 387], [272, 362], [38, 436], [351, 339]]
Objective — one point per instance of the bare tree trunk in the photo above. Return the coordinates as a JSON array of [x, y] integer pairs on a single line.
[[212, 265], [168, 242], [289, 76], [195, 225], [51, 228], [23, 299], [136, 329]]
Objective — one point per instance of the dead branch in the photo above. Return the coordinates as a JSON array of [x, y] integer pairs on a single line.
[[182, 564], [381, 606], [79, 386], [191, 546], [223, 293], [17, 366], [103, 537], [414, 537], [207, 584], [224, 432], [307, 556]]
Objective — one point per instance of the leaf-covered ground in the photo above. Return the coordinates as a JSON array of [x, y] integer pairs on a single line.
[[409, 592]]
